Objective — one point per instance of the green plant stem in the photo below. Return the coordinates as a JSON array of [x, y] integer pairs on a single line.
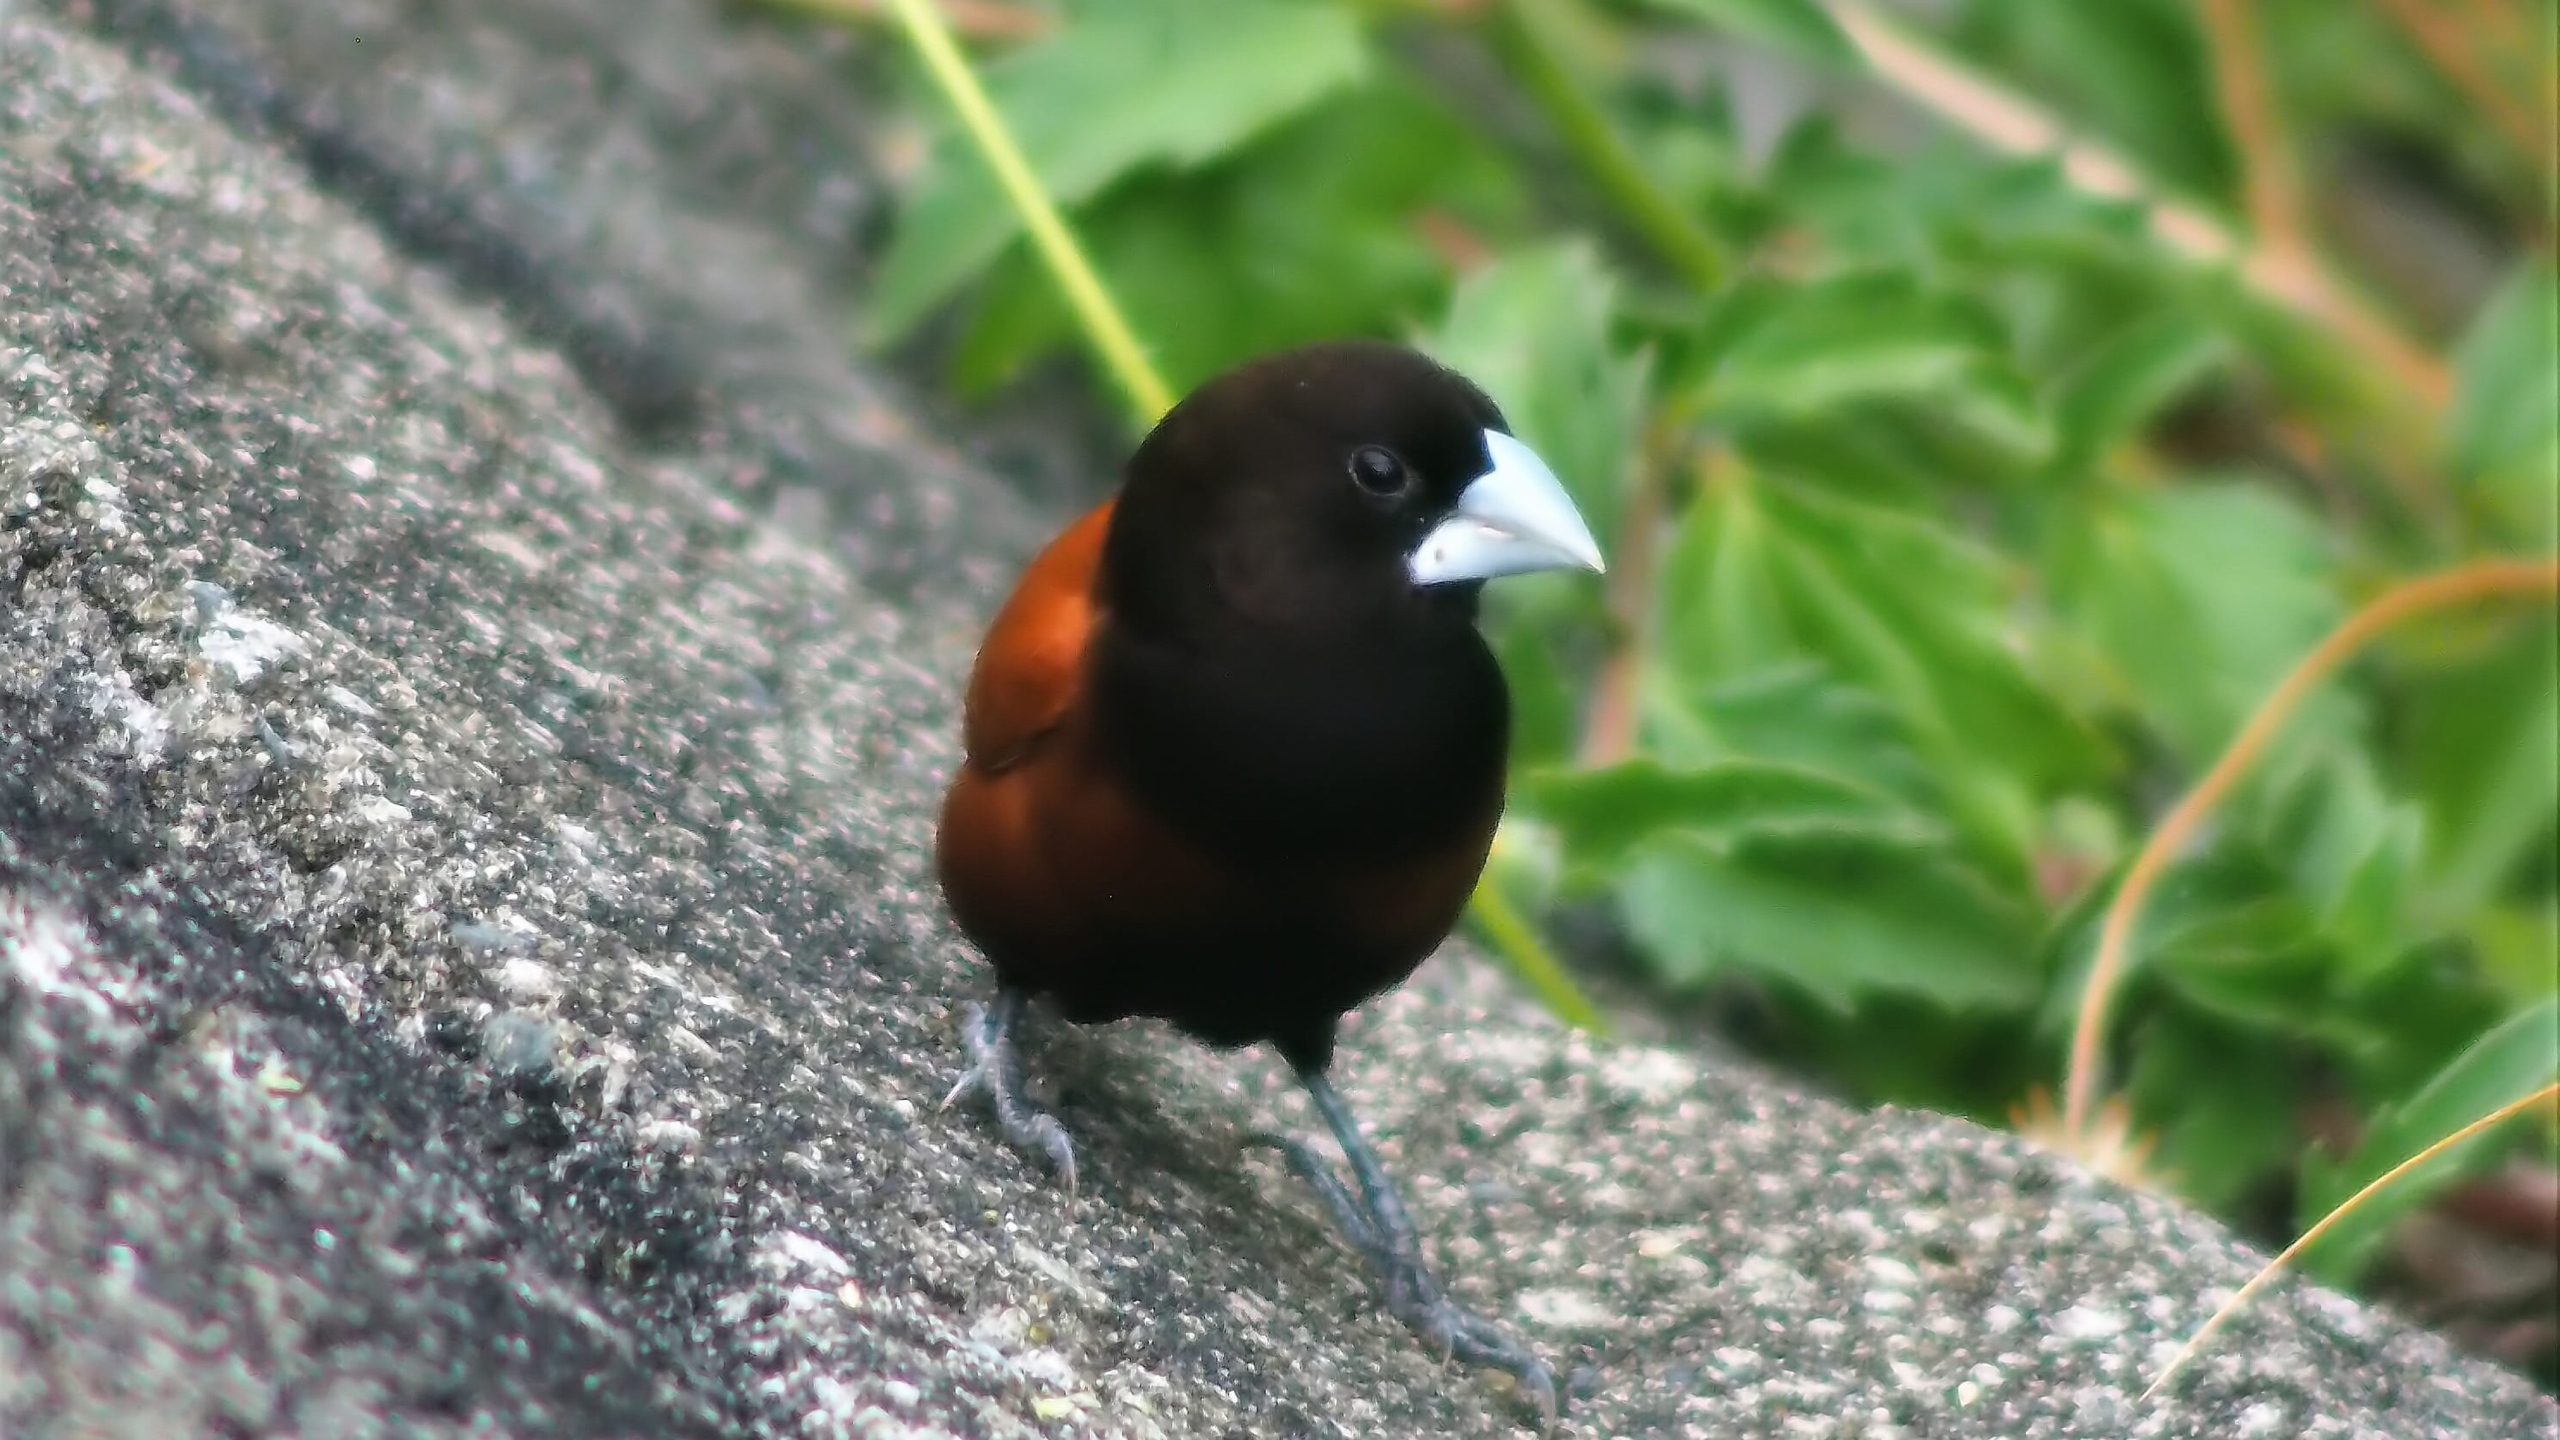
[[977, 19], [1516, 941], [1096, 314], [1675, 238]]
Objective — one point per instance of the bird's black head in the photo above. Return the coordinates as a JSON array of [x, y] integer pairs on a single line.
[[1330, 489]]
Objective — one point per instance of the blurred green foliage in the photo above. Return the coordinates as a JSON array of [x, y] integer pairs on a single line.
[[1959, 520]]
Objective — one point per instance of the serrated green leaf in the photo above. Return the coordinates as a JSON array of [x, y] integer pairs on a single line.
[[1902, 606], [2134, 70], [2199, 599], [1921, 616], [2519, 947], [1951, 204], [2511, 1061], [1802, 27], [2130, 378], [2223, 1104], [1884, 455], [1533, 330], [2259, 961], [2369, 915], [1305, 232], [1724, 611], [2415, 1014], [1797, 714], [2481, 755], [2226, 935], [2066, 275], [2507, 372], [1992, 403], [1136, 83], [1603, 814], [2231, 934], [1840, 914], [1544, 709], [1804, 349], [2320, 807], [1813, 353]]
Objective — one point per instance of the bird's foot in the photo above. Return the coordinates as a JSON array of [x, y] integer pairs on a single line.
[[995, 1070], [1394, 1252]]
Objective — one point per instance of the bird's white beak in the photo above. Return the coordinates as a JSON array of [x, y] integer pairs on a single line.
[[1512, 519]]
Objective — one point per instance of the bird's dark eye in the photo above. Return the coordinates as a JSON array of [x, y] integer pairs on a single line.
[[1378, 470]]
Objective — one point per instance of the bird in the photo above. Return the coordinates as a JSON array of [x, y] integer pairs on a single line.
[[1234, 748]]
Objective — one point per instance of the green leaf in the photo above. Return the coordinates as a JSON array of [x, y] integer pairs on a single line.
[[1305, 232], [1497, 915], [2223, 1102], [2406, 1021], [1803, 354], [1796, 714], [2226, 936], [1603, 814], [2519, 947], [2256, 960], [2197, 600], [1125, 85], [1840, 913], [2136, 70], [2481, 755], [2369, 913], [1898, 456], [1903, 607], [2078, 287], [1533, 330], [2320, 808], [2511, 1061], [1795, 350], [1802, 27], [1947, 206], [1544, 709], [1724, 610], [2131, 378], [2506, 427]]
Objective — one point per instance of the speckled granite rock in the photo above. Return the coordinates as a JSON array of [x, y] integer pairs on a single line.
[[468, 962]]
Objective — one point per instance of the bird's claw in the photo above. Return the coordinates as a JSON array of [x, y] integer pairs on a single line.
[[1456, 1333], [973, 1019], [1040, 1131], [1476, 1341], [995, 1070]]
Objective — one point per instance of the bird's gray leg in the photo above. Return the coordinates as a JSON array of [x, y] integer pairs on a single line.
[[1378, 1226]]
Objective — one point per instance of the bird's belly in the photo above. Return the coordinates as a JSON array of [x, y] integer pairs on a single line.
[[1279, 957], [1109, 911]]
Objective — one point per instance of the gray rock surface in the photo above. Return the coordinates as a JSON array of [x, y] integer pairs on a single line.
[[468, 958]]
